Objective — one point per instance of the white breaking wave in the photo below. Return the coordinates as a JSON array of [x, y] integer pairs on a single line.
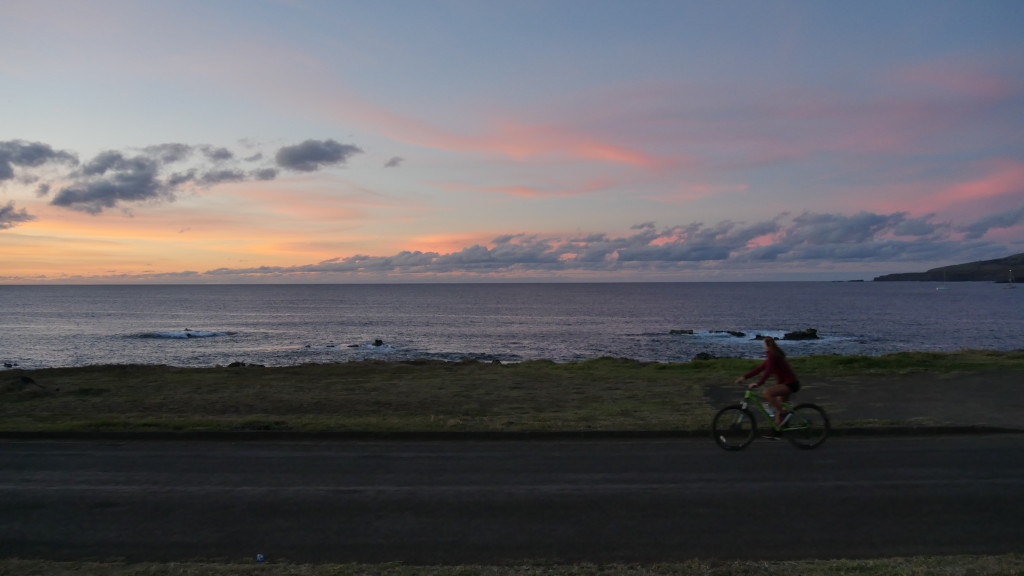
[[183, 334]]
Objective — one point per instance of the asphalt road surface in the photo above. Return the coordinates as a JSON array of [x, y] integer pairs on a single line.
[[507, 501]]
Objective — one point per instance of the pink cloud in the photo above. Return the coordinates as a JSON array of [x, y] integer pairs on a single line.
[[958, 79], [535, 191], [684, 193], [977, 190], [1003, 177], [521, 140], [998, 187]]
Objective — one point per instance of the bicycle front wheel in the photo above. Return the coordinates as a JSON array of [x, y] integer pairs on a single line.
[[808, 427], [733, 427]]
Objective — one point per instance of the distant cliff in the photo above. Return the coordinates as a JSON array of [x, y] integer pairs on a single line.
[[982, 271]]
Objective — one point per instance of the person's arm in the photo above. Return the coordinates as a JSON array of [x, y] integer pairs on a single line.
[[766, 369], [761, 368]]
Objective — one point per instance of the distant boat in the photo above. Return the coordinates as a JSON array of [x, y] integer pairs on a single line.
[[943, 287], [1010, 284]]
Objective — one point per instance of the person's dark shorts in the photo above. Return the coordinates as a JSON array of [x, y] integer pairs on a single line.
[[794, 386]]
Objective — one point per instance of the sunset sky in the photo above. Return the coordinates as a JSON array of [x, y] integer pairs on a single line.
[[277, 141]]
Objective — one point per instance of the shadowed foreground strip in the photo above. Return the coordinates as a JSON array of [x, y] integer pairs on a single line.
[[1006, 565]]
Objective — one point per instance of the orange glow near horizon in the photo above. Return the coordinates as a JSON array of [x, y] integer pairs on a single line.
[[449, 243]]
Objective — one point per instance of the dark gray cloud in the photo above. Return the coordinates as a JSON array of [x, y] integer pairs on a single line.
[[922, 227], [113, 161], [1005, 219], [394, 162], [11, 217], [264, 174], [22, 154], [112, 178], [692, 243], [217, 154], [156, 173], [181, 178], [312, 155], [819, 229], [221, 176], [169, 153]]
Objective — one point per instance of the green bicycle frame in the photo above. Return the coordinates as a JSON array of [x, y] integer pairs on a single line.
[[752, 399]]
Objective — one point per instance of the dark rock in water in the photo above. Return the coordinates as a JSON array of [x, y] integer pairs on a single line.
[[705, 356], [680, 331], [376, 344], [808, 334], [731, 333]]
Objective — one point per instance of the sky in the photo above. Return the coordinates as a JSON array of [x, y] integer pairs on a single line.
[[304, 141]]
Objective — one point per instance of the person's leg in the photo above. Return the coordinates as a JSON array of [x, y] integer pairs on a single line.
[[776, 395]]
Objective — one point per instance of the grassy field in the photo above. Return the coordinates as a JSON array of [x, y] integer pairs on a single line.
[[605, 394], [1007, 565]]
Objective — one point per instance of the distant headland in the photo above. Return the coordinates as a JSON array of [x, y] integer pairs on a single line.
[[982, 271]]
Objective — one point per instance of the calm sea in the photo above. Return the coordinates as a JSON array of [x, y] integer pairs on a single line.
[[274, 325]]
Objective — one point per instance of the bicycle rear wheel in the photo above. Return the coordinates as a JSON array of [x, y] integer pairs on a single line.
[[808, 427], [733, 427]]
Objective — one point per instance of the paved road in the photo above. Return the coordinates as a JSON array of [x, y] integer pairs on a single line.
[[502, 501]]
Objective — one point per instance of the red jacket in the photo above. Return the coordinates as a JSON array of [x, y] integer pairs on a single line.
[[773, 365]]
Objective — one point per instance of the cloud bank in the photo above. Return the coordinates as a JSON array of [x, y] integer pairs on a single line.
[[806, 238], [153, 174]]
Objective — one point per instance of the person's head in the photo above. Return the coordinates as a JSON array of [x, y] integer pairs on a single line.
[[771, 346]]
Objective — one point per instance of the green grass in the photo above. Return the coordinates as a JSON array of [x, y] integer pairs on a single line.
[[1003, 565], [909, 362], [604, 394]]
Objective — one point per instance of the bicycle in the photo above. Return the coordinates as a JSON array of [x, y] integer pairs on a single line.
[[806, 425]]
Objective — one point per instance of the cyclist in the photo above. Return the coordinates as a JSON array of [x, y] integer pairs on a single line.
[[774, 364]]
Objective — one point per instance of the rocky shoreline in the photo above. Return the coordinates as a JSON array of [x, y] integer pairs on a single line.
[[805, 334]]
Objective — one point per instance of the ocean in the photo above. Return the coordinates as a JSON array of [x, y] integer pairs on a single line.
[[279, 325]]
